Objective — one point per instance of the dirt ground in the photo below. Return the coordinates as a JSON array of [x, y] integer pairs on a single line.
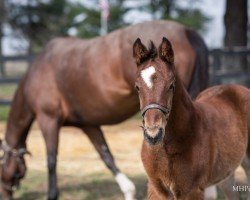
[[81, 173]]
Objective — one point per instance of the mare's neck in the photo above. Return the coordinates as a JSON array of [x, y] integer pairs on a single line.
[[20, 120]]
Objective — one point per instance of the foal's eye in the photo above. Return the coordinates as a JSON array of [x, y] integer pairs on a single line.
[[137, 88], [172, 86]]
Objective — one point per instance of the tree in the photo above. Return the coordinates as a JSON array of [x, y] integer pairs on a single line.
[[2, 13], [169, 9], [235, 20], [39, 21], [92, 24]]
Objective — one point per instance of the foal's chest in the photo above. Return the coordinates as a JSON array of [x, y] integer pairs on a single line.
[[171, 177], [166, 187], [159, 172]]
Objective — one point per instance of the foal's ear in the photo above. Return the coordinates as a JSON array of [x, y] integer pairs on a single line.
[[140, 52], [166, 51]]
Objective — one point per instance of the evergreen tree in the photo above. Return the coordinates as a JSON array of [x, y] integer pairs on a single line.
[[169, 9], [39, 21]]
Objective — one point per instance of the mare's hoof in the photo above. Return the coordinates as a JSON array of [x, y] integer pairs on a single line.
[[53, 197]]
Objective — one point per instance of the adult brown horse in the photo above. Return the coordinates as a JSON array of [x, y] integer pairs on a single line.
[[188, 145], [86, 84]]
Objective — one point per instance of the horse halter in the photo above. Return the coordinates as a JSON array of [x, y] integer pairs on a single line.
[[5, 155], [163, 109]]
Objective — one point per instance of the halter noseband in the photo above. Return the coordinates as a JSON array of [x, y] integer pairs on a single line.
[[17, 154], [163, 109]]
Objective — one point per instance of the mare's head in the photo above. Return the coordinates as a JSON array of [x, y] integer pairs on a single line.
[[155, 83], [13, 168]]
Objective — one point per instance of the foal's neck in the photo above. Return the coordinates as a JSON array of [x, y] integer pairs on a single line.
[[182, 112], [179, 132]]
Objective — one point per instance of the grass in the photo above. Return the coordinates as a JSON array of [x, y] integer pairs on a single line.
[[4, 113], [91, 187], [6, 92]]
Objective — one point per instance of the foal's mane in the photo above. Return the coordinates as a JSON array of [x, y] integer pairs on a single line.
[[152, 51]]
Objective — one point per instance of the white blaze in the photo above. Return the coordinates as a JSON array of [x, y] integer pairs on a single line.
[[147, 74], [126, 185]]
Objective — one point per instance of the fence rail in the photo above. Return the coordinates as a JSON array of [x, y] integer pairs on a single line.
[[26, 58], [216, 74], [11, 80]]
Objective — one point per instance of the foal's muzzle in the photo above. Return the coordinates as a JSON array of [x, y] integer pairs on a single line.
[[154, 119], [158, 136]]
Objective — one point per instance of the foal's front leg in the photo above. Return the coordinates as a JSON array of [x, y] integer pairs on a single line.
[[50, 129], [196, 194], [154, 194]]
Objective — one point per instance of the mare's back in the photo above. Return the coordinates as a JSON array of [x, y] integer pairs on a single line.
[[109, 58], [114, 47]]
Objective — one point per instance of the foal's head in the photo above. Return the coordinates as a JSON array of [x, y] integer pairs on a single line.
[[155, 83]]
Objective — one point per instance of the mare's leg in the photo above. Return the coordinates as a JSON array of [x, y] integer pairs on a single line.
[[211, 193], [246, 166], [97, 138], [227, 188], [50, 128]]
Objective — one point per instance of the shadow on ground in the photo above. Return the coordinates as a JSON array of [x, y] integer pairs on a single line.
[[83, 188], [98, 186]]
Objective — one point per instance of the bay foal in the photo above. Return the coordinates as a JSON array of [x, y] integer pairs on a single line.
[[188, 145]]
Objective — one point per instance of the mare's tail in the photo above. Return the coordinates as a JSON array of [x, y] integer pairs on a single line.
[[199, 80]]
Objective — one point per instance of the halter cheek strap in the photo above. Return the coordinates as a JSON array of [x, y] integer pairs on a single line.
[[13, 151], [163, 109]]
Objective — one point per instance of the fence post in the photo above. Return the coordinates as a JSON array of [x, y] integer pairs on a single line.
[[215, 66], [2, 15], [2, 71]]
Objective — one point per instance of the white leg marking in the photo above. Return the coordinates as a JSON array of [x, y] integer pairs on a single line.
[[211, 193], [126, 185], [147, 74]]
